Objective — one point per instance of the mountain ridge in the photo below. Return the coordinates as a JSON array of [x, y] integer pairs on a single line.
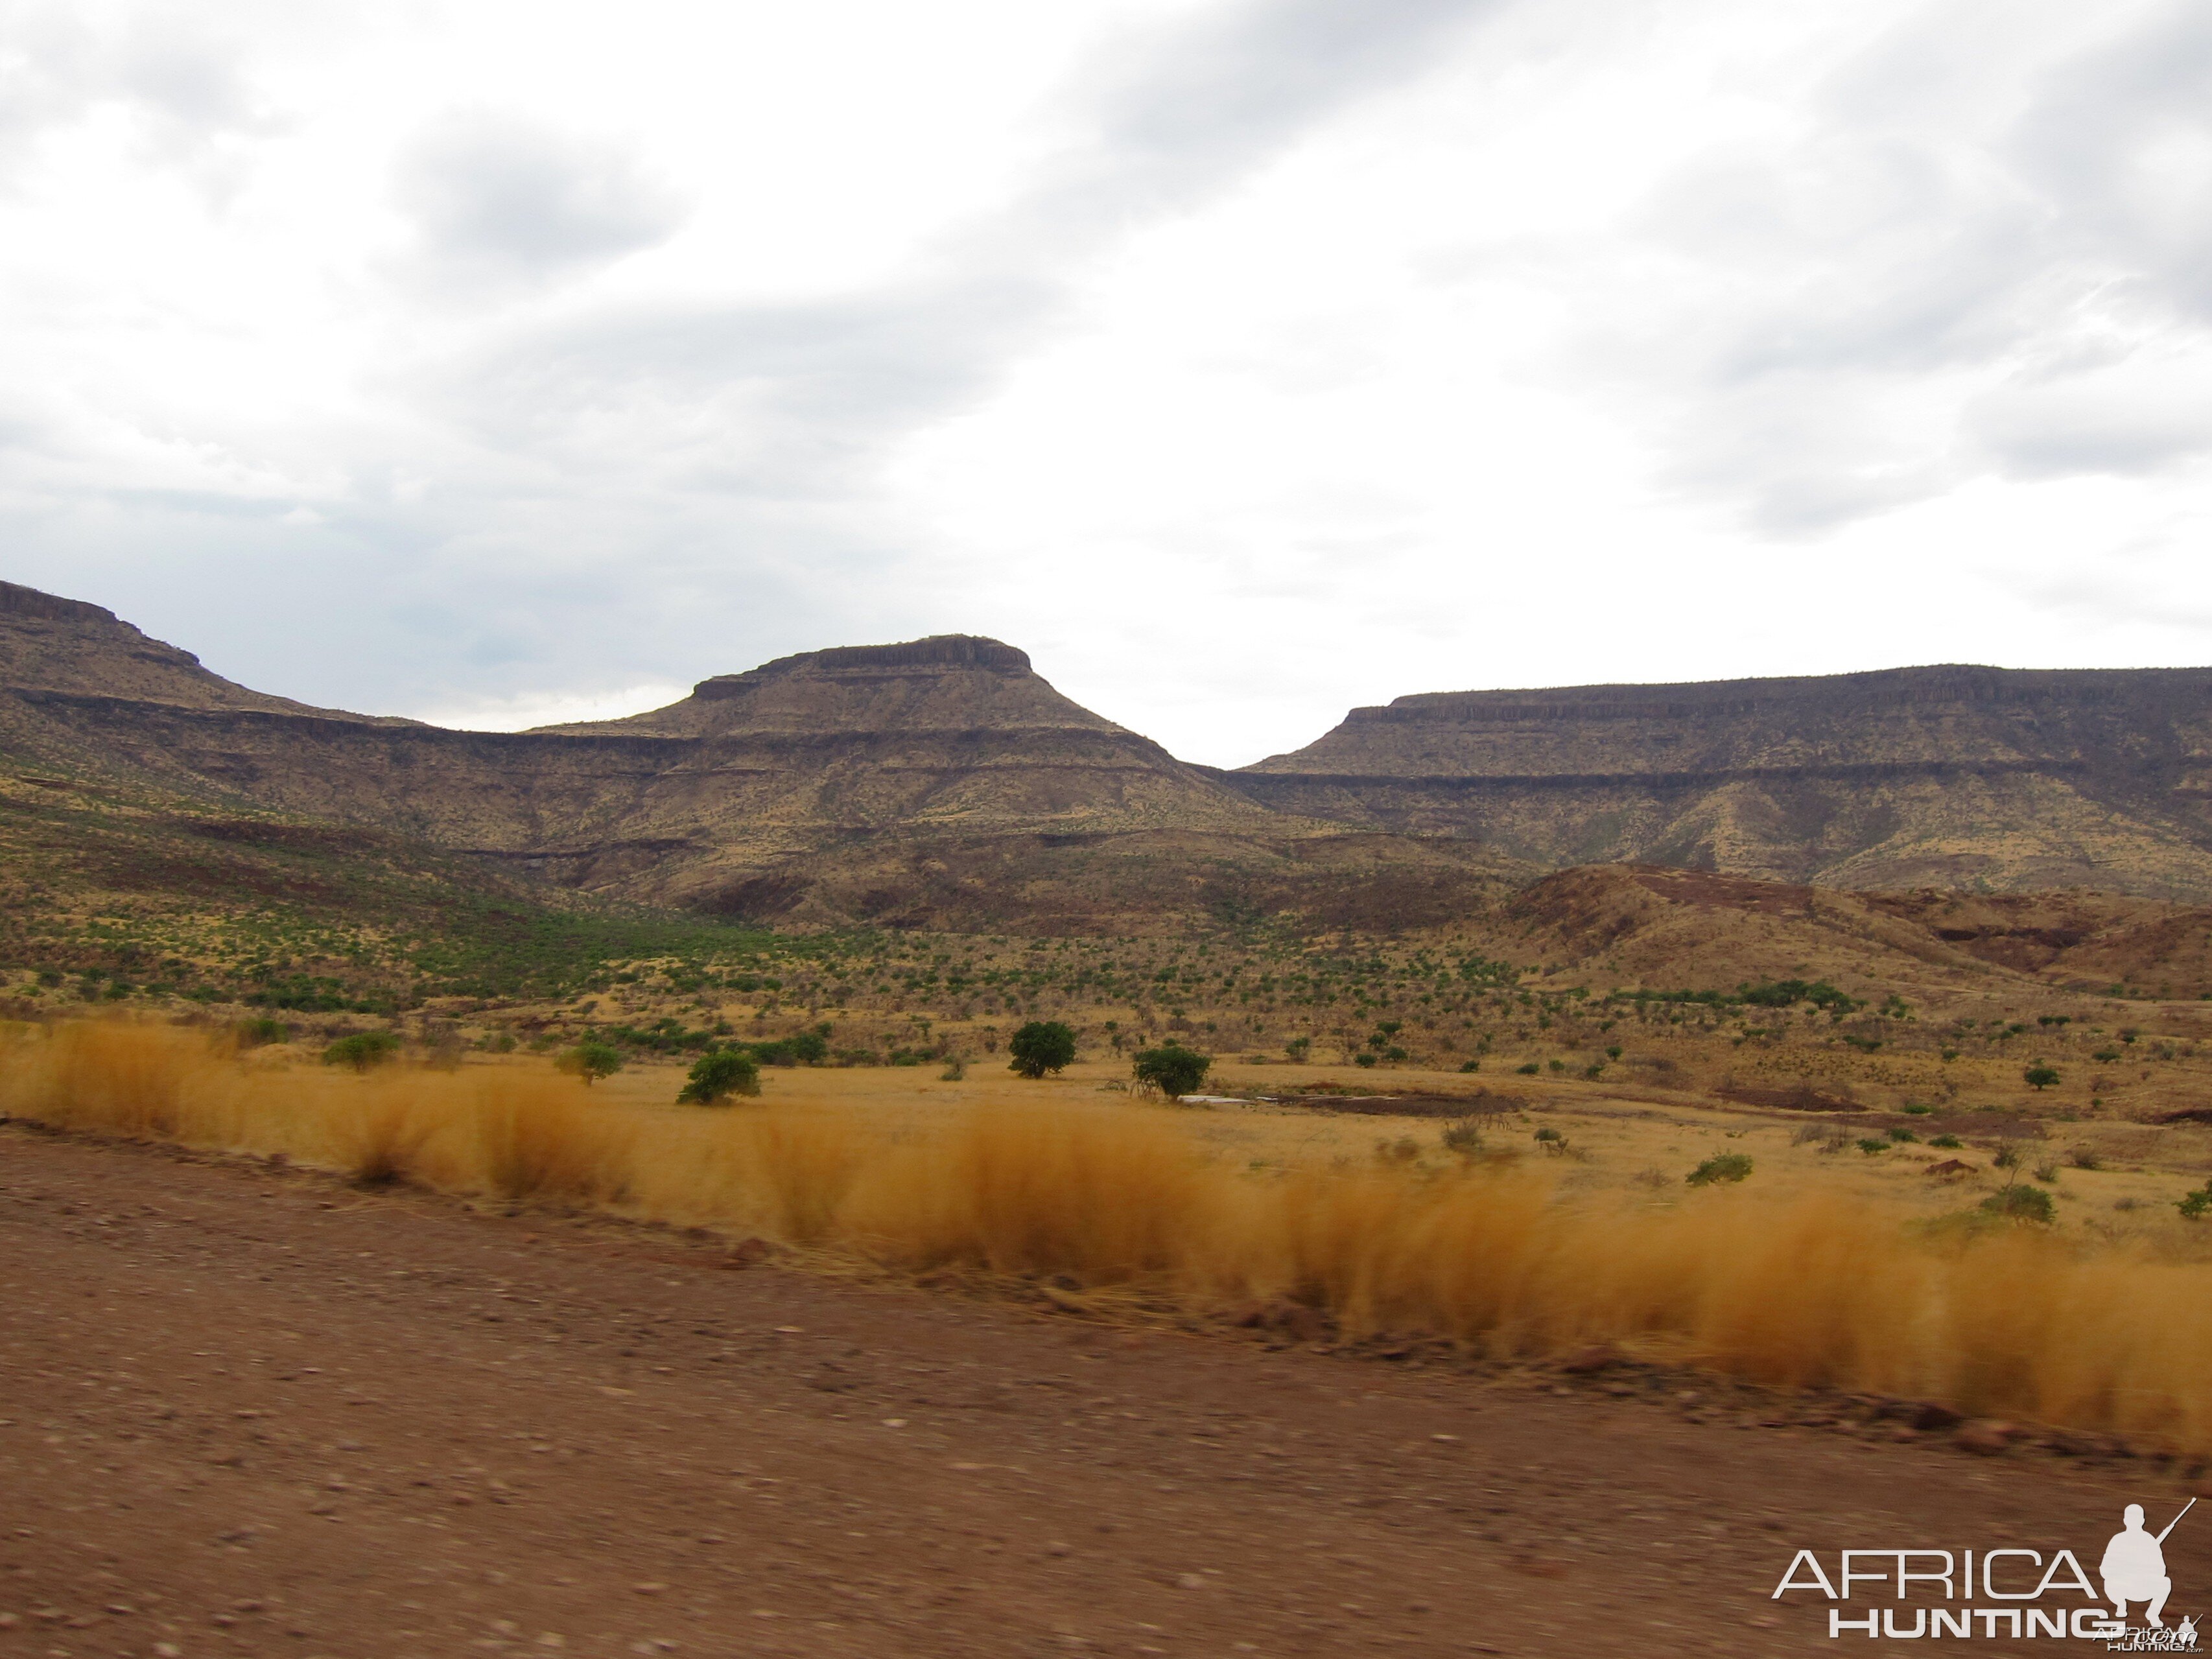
[[945, 775]]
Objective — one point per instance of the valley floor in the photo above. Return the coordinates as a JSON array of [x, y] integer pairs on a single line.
[[253, 1411]]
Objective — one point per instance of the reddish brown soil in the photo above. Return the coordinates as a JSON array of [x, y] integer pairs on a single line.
[[249, 1412]]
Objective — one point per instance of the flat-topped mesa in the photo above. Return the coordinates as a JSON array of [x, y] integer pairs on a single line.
[[1863, 693], [1953, 775], [936, 651], [1952, 717], [946, 683]]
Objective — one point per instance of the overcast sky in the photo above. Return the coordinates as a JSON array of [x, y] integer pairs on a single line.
[[1242, 360]]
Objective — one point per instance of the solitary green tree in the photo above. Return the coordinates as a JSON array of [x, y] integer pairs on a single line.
[[2039, 1077], [718, 1075], [591, 1059], [1172, 1069], [1041, 1046]]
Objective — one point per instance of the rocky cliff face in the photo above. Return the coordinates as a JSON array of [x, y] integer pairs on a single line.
[[1951, 776]]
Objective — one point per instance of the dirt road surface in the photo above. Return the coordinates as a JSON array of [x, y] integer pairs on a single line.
[[249, 1412]]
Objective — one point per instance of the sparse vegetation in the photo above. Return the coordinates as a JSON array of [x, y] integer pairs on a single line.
[[2021, 1204], [591, 1059], [1041, 1047], [1172, 1069], [1724, 1167], [715, 1077], [362, 1050], [1504, 1260]]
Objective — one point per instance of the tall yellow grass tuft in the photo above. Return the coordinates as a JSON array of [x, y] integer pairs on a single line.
[[1107, 1202], [537, 1137], [1794, 1291]]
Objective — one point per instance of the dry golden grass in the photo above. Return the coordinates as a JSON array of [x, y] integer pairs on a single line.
[[1790, 1286]]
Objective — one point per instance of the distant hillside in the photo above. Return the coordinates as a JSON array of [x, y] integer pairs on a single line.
[[1955, 777], [912, 783]]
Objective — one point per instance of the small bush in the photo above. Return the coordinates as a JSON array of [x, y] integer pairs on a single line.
[[1529, 1070], [2039, 1077], [2196, 1205], [591, 1059], [1362, 1058], [1470, 1065], [1873, 1144], [955, 1070], [716, 1076], [1551, 1140], [1727, 1166], [1171, 1068], [2046, 1172], [363, 1051], [1901, 1135], [253, 1033], [1042, 1046], [2021, 1204], [1463, 1139], [1947, 1142]]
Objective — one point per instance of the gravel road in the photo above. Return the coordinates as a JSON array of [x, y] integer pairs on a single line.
[[246, 1410]]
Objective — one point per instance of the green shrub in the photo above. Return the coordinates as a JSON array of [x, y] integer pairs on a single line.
[[1362, 1058], [1529, 1070], [2194, 1206], [1727, 1166], [1873, 1144], [1040, 1047], [2039, 1077], [1171, 1068], [253, 1033], [1470, 1065], [1947, 1142], [1551, 1140], [718, 1074], [1463, 1139], [591, 1059], [362, 1050], [2021, 1204]]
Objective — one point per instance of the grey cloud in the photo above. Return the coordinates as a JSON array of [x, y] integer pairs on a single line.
[[1176, 112], [181, 78], [499, 201], [800, 398], [679, 489], [1923, 288]]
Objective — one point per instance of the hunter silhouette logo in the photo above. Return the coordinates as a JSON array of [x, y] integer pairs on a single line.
[[2134, 1568], [2022, 1594]]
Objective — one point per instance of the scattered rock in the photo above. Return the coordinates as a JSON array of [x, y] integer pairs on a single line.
[[1293, 1319], [1931, 1415], [752, 1252], [1597, 1357], [1984, 1437]]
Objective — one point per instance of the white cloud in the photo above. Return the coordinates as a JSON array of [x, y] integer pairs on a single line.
[[1243, 359]]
